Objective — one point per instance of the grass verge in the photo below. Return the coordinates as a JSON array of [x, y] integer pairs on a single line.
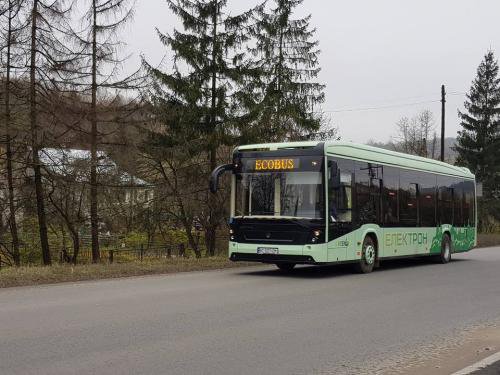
[[34, 275], [488, 239]]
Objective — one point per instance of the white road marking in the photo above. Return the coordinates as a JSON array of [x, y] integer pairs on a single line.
[[479, 365]]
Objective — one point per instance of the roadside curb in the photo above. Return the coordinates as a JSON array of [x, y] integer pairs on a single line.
[[479, 365]]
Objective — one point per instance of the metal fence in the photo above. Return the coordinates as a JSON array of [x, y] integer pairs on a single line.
[[116, 251], [139, 252]]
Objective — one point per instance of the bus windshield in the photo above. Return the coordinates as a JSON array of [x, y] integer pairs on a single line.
[[297, 194]]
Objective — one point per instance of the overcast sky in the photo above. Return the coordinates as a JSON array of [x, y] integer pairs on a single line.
[[384, 53]]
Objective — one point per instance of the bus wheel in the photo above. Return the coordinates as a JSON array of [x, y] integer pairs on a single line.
[[368, 256], [285, 266], [445, 255]]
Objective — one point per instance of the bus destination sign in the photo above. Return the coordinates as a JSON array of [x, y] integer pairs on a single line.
[[275, 164], [278, 165]]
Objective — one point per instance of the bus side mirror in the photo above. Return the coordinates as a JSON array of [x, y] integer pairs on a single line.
[[333, 175], [216, 173]]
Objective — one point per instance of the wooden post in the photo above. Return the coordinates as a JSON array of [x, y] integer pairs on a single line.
[[443, 107], [111, 256], [142, 252]]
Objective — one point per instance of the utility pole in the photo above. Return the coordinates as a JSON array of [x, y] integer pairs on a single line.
[[443, 107]]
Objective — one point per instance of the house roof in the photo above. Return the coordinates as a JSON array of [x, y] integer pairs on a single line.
[[60, 159]]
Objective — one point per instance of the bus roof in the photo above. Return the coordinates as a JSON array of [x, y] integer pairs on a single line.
[[369, 153]]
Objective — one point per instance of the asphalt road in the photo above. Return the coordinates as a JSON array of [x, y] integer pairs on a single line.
[[245, 321], [493, 369]]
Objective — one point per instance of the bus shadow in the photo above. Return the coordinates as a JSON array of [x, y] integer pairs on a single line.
[[312, 272], [412, 262], [307, 272]]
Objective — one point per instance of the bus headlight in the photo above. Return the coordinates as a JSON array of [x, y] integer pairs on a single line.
[[316, 234]]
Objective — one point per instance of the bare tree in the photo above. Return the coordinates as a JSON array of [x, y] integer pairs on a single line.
[[66, 177], [413, 134], [326, 132], [174, 171], [12, 37], [48, 63], [99, 40]]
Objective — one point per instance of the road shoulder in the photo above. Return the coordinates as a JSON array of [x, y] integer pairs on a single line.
[[452, 355]]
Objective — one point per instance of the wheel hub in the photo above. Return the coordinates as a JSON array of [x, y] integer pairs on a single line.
[[369, 254]]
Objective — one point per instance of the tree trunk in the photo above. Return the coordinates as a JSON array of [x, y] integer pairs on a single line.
[[187, 227], [212, 220], [210, 241], [191, 241], [94, 217], [40, 202], [76, 246], [213, 134], [279, 78], [10, 184], [434, 142]]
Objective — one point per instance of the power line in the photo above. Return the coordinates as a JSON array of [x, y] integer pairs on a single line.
[[377, 108], [390, 106]]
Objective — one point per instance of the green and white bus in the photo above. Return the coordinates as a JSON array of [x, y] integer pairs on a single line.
[[340, 202]]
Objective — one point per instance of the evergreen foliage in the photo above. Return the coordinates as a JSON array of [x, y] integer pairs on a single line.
[[208, 66], [202, 86], [479, 142], [285, 99]]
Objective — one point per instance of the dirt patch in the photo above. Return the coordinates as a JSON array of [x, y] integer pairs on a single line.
[[58, 273], [452, 354], [488, 239]]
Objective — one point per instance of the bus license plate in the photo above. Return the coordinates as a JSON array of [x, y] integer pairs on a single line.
[[267, 250]]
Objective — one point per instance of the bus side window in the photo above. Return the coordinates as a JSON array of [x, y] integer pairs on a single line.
[[458, 220], [445, 200], [427, 198], [367, 205], [390, 196], [468, 204], [344, 199], [408, 202], [341, 198]]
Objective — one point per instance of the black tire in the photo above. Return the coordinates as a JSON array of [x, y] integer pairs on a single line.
[[445, 255], [368, 256], [287, 267]]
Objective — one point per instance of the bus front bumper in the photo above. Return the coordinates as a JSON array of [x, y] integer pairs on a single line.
[[272, 258], [299, 254]]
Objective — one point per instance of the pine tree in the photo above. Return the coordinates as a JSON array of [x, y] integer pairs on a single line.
[[479, 141], [209, 66], [287, 95]]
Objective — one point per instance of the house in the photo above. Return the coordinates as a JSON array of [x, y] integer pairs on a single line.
[[75, 164]]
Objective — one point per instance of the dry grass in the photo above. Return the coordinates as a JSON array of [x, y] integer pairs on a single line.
[[34, 275], [488, 239]]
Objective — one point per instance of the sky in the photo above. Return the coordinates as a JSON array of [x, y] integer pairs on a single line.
[[381, 60]]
